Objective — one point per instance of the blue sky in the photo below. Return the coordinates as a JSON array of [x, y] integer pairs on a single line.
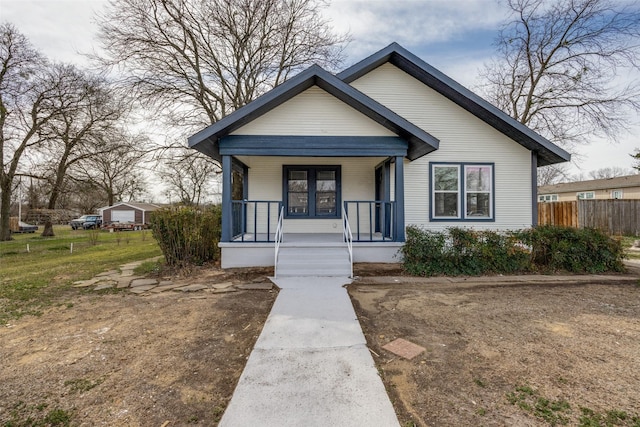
[[454, 36]]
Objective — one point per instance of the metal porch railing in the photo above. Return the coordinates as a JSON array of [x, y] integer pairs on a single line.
[[255, 220], [371, 220]]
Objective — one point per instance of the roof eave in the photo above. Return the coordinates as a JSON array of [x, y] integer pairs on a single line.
[[548, 153], [206, 141]]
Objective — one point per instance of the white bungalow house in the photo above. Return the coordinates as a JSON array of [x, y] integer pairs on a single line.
[[343, 163]]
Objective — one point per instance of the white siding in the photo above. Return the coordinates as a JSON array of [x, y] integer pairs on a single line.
[[463, 138], [265, 183], [314, 112]]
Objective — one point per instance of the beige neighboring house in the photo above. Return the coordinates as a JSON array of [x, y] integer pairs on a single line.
[[622, 187]]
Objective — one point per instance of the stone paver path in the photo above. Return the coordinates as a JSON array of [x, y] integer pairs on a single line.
[[126, 278]]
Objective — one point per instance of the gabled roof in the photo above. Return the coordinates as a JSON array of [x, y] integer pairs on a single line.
[[616, 183], [420, 142], [548, 153], [136, 205]]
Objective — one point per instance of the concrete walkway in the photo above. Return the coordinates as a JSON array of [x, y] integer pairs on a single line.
[[311, 365]]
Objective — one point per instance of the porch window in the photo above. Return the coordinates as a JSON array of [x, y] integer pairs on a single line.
[[461, 191], [311, 191]]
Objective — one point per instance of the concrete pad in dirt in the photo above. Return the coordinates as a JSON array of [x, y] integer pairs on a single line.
[[310, 365]]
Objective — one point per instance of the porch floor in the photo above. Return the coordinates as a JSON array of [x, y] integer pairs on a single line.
[[301, 238]]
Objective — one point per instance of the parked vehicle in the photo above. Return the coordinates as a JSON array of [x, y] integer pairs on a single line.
[[77, 223], [124, 226], [93, 221], [27, 228], [87, 222], [16, 226]]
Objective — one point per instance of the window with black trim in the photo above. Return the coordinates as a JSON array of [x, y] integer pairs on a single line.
[[311, 191], [461, 191]]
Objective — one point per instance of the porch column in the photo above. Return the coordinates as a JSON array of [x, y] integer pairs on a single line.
[[534, 189], [227, 212], [399, 193]]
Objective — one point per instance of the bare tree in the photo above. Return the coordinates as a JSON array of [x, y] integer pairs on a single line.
[[28, 90], [88, 111], [553, 174], [610, 172], [115, 173], [189, 176], [557, 64], [636, 156], [197, 61]]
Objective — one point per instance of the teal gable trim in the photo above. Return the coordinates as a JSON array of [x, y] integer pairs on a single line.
[[419, 141], [310, 146]]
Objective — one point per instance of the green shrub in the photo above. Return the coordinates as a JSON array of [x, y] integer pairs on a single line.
[[460, 251], [578, 250], [187, 235]]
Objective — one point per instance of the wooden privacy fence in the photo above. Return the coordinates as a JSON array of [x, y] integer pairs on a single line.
[[616, 217], [558, 213]]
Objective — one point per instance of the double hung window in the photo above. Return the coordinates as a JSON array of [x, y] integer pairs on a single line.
[[312, 191], [462, 191]]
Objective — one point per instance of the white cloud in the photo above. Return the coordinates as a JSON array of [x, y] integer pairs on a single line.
[[454, 36], [61, 29], [375, 24]]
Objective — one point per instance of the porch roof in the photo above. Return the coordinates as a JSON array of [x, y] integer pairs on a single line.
[[548, 153], [208, 140]]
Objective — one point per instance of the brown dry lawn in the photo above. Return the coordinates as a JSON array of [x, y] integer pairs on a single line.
[[518, 355], [173, 359]]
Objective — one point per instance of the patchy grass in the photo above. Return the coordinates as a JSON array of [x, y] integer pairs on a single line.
[[149, 268], [24, 415], [627, 242], [590, 418], [36, 271], [529, 400], [556, 412], [81, 385]]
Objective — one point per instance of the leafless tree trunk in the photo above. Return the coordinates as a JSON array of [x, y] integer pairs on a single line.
[[88, 110], [27, 103], [197, 61], [557, 64]]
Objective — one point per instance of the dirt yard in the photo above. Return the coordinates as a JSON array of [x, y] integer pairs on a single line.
[[169, 359], [494, 354], [518, 355]]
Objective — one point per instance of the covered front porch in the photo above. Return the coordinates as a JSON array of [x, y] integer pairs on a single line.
[[353, 204], [312, 157]]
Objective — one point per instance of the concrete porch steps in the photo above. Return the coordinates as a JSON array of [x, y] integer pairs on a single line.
[[313, 260]]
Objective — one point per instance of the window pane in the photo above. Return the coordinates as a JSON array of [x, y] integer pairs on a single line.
[[298, 203], [446, 204], [298, 175], [325, 186], [478, 178], [326, 175], [298, 181], [478, 205], [325, 203], [445, 178]]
